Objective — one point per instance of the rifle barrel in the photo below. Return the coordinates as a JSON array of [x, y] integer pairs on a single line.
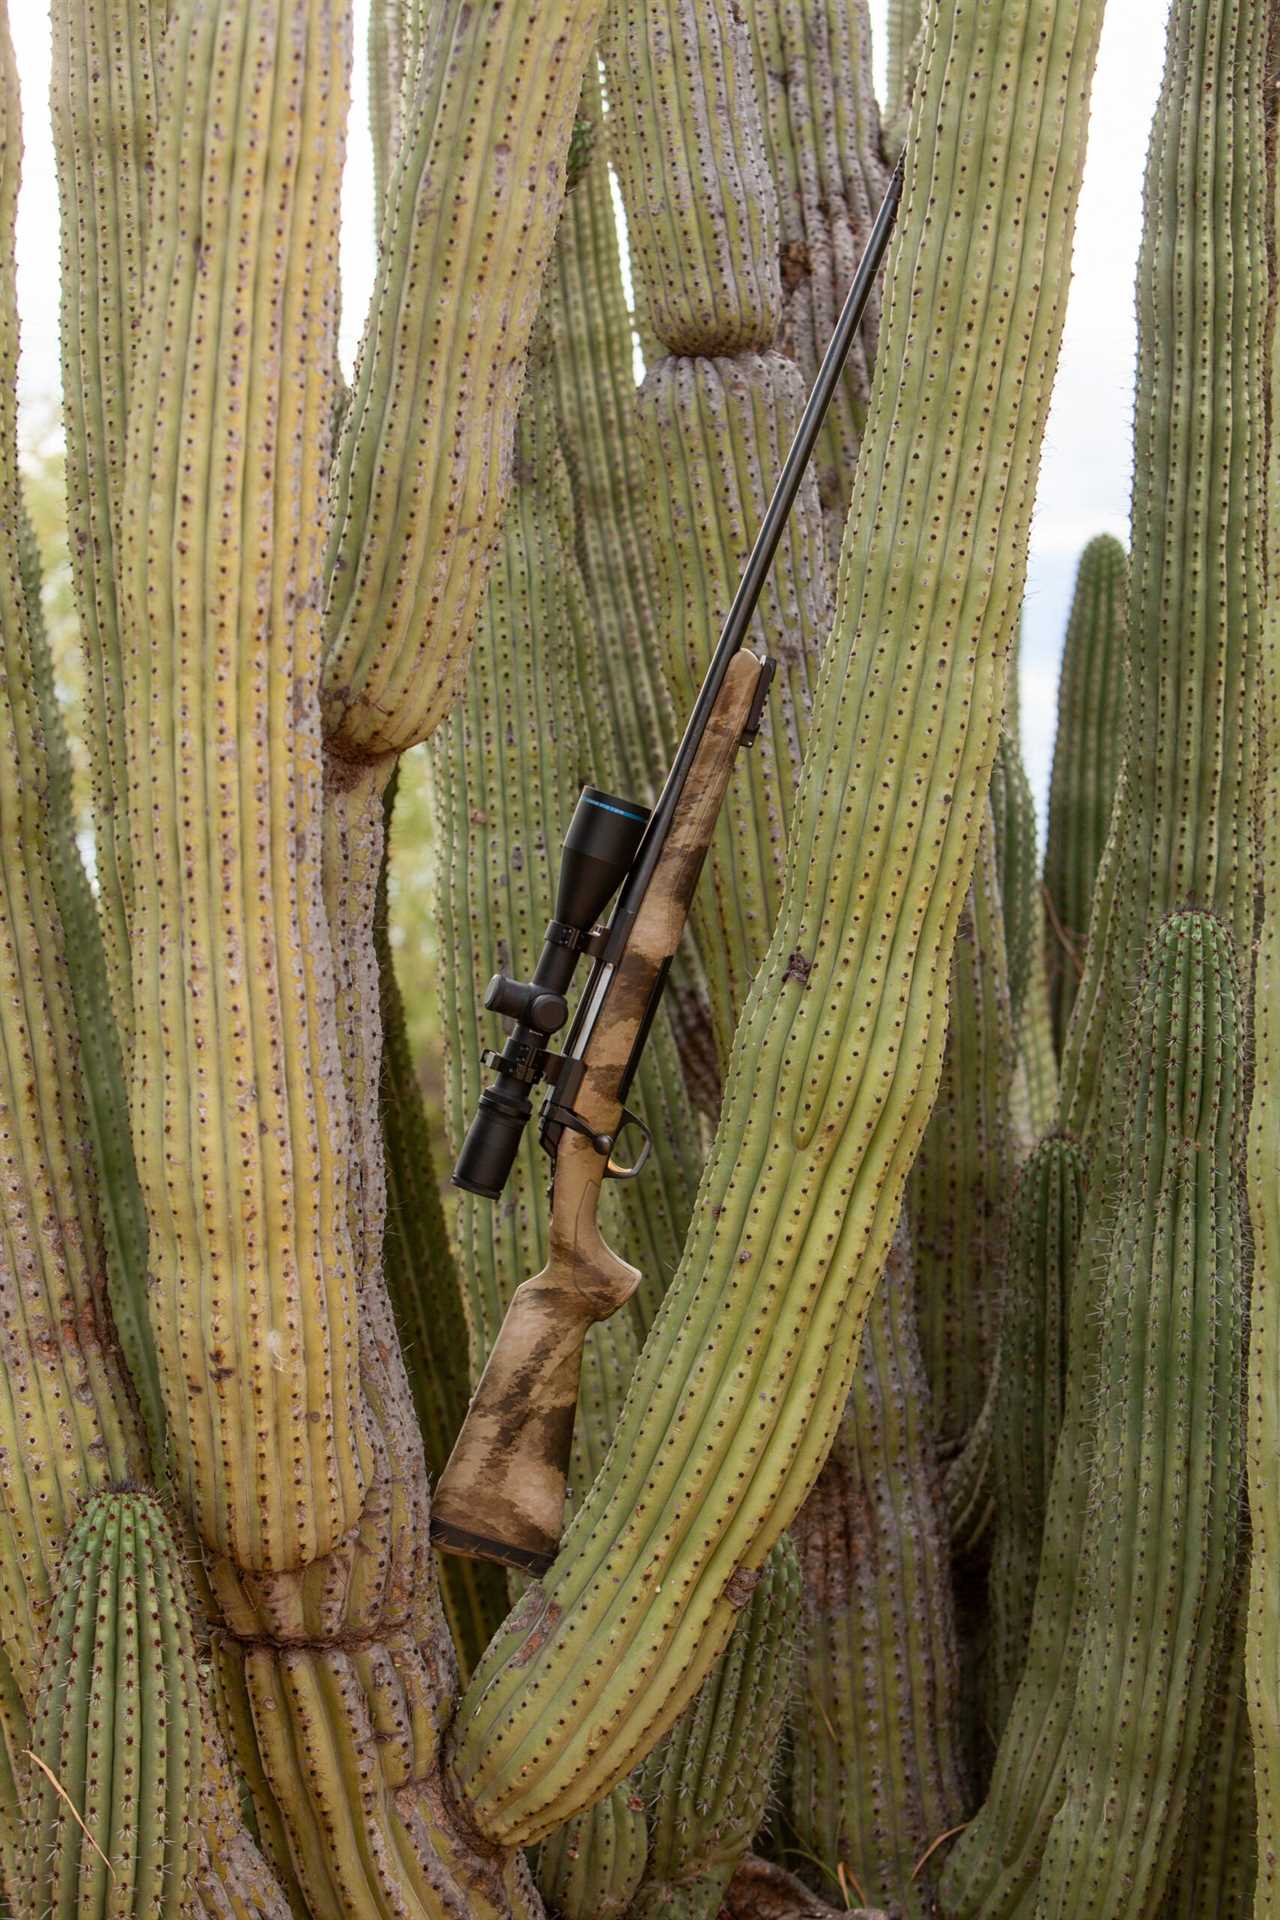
[[760, 559]]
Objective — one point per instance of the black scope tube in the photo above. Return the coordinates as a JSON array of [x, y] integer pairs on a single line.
[[738, 618]]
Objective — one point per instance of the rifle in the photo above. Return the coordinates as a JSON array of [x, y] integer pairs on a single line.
[[501, 1495]]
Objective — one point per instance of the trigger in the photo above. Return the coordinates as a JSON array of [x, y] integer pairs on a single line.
[[612, 1170]]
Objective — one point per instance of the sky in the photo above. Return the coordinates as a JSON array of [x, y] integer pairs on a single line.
[[1087, 464]]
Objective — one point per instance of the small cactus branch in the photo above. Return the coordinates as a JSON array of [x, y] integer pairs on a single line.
[[906, 24], [104, 88], [237, 1106], [958, 1189], [745, 1374], [590, 1868], [822, 136], [424, 1288], [706, 1785], [875, 1771], [1086, 760], [467, 232], [119, 1200], [1044, 1234], [116, 1742]]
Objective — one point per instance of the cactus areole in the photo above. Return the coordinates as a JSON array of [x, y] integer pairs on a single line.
[[501, 1496]]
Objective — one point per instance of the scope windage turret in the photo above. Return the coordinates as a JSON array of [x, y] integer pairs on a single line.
[[599, 848]]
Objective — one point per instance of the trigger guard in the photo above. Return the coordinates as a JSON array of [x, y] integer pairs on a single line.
[[614, 1172]]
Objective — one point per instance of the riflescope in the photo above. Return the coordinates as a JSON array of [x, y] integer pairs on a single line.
[[598, 852]]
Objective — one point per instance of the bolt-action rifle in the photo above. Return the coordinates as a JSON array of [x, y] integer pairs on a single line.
[[501, 1496]]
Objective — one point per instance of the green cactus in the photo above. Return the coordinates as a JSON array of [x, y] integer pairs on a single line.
[[717, 412], [958, 1189], [875, 1772], [115, 1768], [1217, 1870], [1086, 760], [1180, 823], [821, 130], [591, 1868], [1160, 1541], [706, 1785], [746, 1371], [1044, 1234]]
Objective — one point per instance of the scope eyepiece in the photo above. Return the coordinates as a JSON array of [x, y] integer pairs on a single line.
[[493, 1139]]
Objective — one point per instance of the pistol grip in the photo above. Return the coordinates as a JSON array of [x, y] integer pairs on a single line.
[[501, 1496]]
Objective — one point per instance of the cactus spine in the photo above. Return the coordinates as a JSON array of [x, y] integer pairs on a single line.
[[117, 1727], [875, 1775], [745, 1373], [1044, 1233], [1086, 760]]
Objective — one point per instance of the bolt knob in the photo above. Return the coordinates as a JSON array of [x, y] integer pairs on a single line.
[[535, 1007]]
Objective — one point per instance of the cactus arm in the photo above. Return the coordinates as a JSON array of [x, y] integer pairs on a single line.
[[1217, 1870], [906, 20], [707, 1784], [716, 413], [424, 1287], [1086, 759], [821, 130], [1162, 1535], [65, 1423], [875, 1771], [958, 1189], [1262, 1645], [1044, 1233], [803, 1191], [123, 1224], [104, 109], [386, 90], [468, 230], [236, 1112], [117, 1724]]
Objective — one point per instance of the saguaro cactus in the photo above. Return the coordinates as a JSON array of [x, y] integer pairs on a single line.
[[115, 1775], [1086, 760], [1163, 1525]]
